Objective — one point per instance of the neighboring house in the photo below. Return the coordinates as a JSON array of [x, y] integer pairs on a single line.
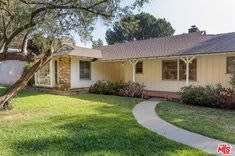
[[10, 71], [161, 64]]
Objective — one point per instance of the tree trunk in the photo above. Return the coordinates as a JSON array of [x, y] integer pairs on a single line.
[[23, 80]]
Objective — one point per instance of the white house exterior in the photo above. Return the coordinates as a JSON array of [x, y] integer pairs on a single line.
[[162, 64]]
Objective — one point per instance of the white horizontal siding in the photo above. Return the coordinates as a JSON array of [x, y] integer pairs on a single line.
[[108, 71], [75, 75]]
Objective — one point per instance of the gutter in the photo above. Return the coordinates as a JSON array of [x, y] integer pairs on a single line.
[[169, 56]]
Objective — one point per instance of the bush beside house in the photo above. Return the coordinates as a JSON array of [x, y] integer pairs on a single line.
[[129, 89], [209, 96]]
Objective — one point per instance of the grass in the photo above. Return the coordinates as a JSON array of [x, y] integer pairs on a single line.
[[45, 124], [2, 89], [215, 123]]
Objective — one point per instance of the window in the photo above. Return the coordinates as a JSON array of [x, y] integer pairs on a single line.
[[43, 76], [169, 70], [192, 70], [85, 70], [231, 65], [139, 68]]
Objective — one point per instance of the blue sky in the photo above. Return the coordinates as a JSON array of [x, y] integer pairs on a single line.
[[214, 16]]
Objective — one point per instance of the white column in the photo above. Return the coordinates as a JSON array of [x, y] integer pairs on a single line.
[[178, 69], [36, 78], [187, 61], [187, 72], [133, 74], [133, 63], [51, 74]]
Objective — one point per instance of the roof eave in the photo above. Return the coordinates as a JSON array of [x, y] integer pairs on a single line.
[[167, 56]]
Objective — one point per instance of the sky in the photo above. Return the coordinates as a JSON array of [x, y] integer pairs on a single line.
[[213, 16]]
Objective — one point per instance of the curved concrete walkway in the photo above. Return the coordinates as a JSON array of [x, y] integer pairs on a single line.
[[145, 114]]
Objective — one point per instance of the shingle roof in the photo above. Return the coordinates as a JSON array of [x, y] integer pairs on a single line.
[[69, 50], [185, 44]]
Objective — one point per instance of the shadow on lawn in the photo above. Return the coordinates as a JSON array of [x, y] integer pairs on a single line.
[[98, 134], [111, 131]]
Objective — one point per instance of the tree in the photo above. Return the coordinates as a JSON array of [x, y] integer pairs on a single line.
[[21, 19], [97, 43], [138, 27], [37, 43]]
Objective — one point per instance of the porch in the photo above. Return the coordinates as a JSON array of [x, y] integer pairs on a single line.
[[73, 73]]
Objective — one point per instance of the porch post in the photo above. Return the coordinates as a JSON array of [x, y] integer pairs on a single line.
[[51, 74], [133, 63], [187, 60], [36, 78], [187, 71], [178, 69]]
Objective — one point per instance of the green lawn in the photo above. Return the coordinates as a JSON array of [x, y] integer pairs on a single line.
[[44, 124], [215, 123], [2, 89]]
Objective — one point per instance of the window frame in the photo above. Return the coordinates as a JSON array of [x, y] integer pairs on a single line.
[[80, 70], [40, 80], [176, 63], [141, 68], [178, 70], [227, 64]]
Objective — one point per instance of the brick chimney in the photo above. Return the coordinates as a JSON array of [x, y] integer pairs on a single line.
[[193, 29]]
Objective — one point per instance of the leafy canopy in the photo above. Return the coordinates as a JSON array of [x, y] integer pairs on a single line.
[[97, 43], [21, 18], [138, 27]]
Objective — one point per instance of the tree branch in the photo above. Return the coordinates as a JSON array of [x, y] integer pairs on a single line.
[[4, 3], [7, 11], [49, 7], [25, 43], [96, 4], [4, 36], [25, 77]]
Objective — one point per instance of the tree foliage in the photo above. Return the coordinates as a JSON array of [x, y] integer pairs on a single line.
[[20, 20], [39, 43], [97, 43], [138, 27]]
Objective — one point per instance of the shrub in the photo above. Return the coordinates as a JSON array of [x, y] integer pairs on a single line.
[[209, 96], [133, 90], [198, 95], [122, 89], [107, 88], [225, 98], [232, 81]]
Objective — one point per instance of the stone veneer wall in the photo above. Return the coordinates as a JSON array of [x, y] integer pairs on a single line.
[[64, 72]]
